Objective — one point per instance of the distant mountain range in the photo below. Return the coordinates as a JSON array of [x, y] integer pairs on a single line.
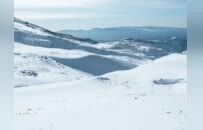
[[118, 33]]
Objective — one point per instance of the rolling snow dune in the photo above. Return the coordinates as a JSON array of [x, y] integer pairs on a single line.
[[122, 100]]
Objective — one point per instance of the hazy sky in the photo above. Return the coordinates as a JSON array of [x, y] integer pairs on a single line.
[[86, 14]]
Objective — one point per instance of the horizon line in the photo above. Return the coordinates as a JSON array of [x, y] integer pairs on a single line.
[[122, 27]]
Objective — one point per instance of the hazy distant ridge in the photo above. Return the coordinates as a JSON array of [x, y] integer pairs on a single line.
[[118, 33]]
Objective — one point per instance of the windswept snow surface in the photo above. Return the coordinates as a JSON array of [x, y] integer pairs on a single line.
[[122, 100]]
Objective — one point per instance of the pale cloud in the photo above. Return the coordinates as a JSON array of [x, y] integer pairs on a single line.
[[57, 3], [98, 3], [46, 3], [37, 15], [158, 3], [29, 9], [103, 13]]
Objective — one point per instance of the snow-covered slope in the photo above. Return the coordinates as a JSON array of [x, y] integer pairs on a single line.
[[29, 33], [149, 97], [34, 67], [84, 56]]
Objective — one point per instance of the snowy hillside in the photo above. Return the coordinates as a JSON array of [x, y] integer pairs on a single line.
[[28, 32], [43, 56], [149, 97], [32, 67]]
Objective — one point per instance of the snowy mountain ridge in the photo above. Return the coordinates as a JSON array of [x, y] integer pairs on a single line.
[[20, 25]]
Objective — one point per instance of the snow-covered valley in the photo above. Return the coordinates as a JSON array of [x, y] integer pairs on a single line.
[[63, 82], [43, 56]]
